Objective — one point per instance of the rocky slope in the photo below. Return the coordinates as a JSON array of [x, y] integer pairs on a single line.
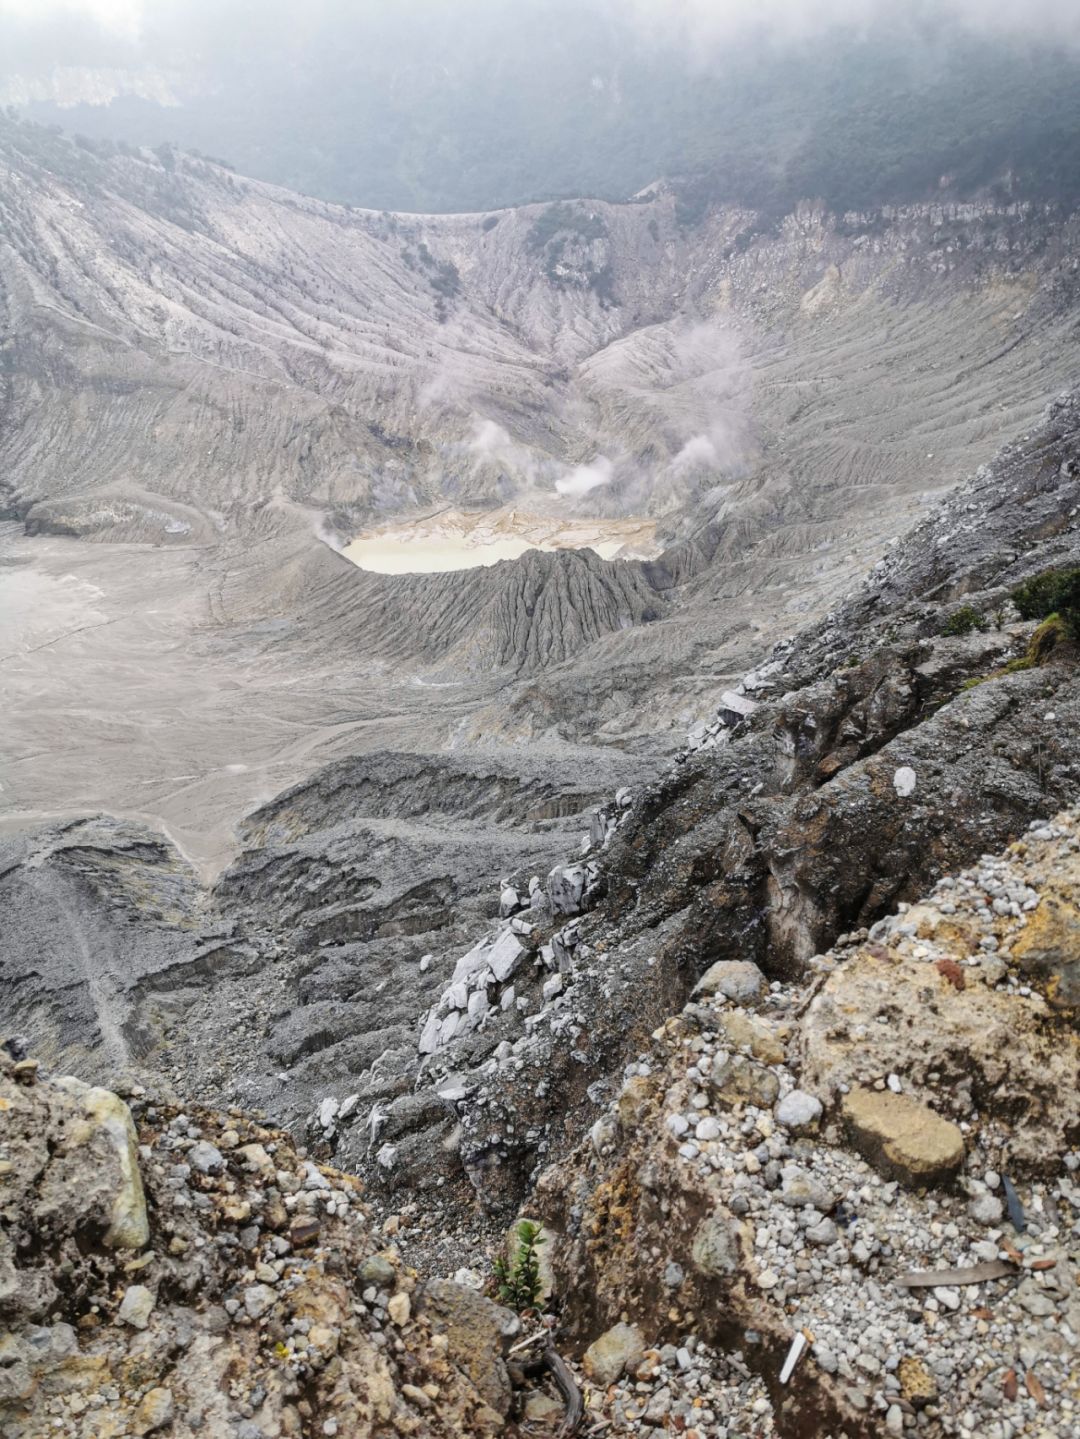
[[878, 1167], [882, 750], [205, 374], [850, 1162], [197, 1276], [319, 876]]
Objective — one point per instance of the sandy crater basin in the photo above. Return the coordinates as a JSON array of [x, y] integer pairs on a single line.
[[453, 540]]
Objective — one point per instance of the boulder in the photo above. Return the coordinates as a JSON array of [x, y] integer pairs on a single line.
[[616, 1352], [903, 1138], [506, 956], [566, 888], [97, 1167], [509, 902], [734, 1079], [715, 1246], [478, 1332], [736, 979]]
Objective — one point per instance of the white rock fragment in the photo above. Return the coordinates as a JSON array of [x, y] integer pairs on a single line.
[[798, 1110], [794, 1354], [904, 781], [508, 902], [505, 956], [206, 1158], [137, 1306]]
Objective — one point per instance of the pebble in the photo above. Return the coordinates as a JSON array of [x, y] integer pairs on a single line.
[[136, 1306], [205, 1158]]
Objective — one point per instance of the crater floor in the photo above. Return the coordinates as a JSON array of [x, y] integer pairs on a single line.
[[453, 540]]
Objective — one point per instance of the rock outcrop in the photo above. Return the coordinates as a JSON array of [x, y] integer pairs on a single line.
[[911, 1306], [244, 1293]]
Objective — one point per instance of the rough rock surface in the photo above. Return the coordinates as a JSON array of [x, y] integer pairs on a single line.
[[249, 1305], [763, 850], [904, 1139], [953, 1312], [210, 377]]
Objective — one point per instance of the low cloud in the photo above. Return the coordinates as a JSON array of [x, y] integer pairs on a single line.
[[584, 478], [705, 29]]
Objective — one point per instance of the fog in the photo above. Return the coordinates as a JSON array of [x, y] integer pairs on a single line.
[[427, 105], [182, 32]]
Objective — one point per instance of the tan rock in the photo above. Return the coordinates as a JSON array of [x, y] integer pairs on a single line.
[[543, 1409], [1002, 1045], [156, 1409], [917, 1383], [1049, 947], [744, 1030], [633, 1101], [106, 1125], [736, 979], [255, 1157], [903, 1138], [399, 1308], [619, 1350], [738, 1080]]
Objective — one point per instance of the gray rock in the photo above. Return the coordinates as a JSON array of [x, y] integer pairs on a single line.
[[798, 1110], [798, 1188], [205, 1158], [715, 1247], [257, 1300], [986, 1209], [618, 1350], [478, 1332], [736, 1079], [824, 1232], [136, 1306], [377, 1270], [566, 887], [735, 979]]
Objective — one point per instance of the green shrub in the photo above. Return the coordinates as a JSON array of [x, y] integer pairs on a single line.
[[518, 1276], [1056, 592], [564, 219], [966, 619]]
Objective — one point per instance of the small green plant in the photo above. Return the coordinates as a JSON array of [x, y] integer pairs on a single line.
[[518, 1275], [1043, 642], [963, 621], [1054, 593], [1052, 632]]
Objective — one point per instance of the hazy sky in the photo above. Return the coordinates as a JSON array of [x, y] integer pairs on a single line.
[[701, 24]]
